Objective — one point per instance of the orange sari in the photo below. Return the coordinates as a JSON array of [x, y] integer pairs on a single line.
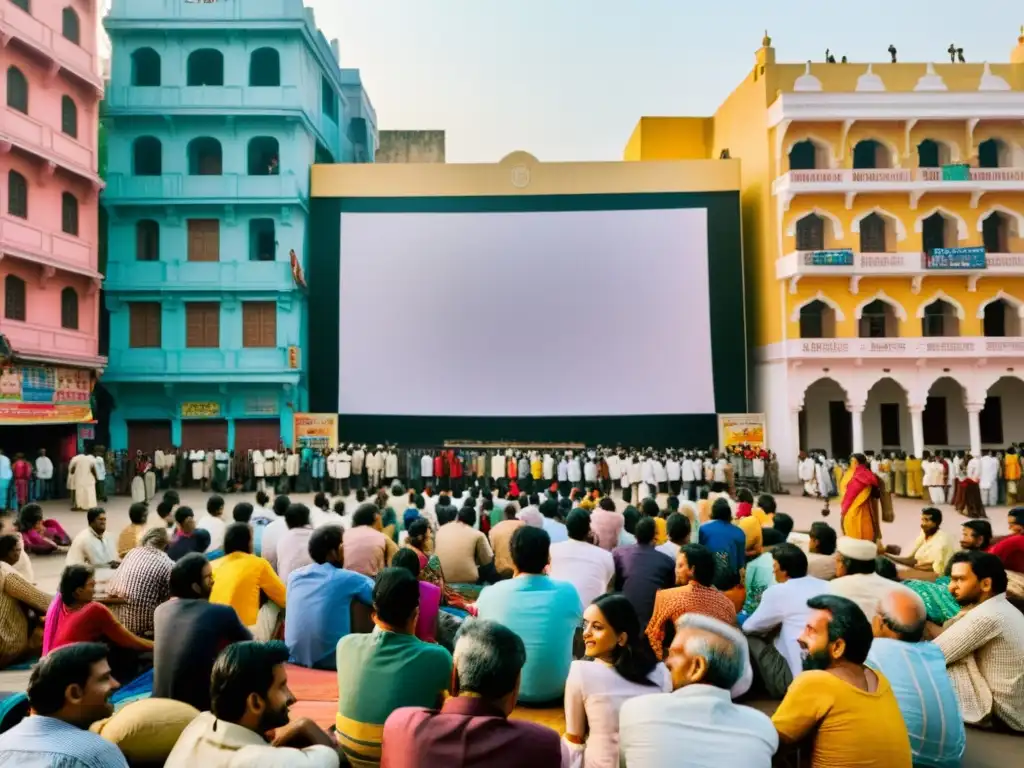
[[859, 517]]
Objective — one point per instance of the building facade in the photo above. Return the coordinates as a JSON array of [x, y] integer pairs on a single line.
[[214, 114], [48, 234], [884, 248]]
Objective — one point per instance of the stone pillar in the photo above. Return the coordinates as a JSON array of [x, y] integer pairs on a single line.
[[974, 427], [857, 416], [917, 427]]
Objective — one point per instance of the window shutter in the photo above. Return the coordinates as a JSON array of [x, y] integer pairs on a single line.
[[259, 324], [202, 325], [203, 240], [69, 309], [14, 298], [69, 214], [144, 324]]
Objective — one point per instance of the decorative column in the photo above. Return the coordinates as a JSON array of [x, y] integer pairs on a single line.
[[917, 428], [974, 427], [857, 416]]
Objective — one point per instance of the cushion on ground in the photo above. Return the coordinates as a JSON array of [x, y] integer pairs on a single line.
[[146, 731]]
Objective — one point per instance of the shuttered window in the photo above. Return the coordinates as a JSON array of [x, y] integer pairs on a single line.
[[69, 117], [203, 240], [14, 298], [69, 214], [202, 324], [69, 309], [144, 325], [259, 324]]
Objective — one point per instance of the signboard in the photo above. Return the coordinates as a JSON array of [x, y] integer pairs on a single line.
[[837, 258], [956, 258], [200, 410], [315, 430], [741, 429], [31, 394], [86, 434]]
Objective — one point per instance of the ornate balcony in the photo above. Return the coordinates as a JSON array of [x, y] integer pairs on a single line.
[[180, 189], [58, 345], [19, 238], [946, 347], [60, 52], [49, 145], [246, 365]]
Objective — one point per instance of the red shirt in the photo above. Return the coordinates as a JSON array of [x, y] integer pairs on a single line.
[[438, 466], [95, 623], [1011, 551], [455, 464]]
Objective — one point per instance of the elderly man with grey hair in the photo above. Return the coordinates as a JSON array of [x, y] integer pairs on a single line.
[[472, 729], [698, 719], [916, 670], [142, 582]]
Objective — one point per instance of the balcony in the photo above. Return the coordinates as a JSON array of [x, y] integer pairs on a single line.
[[177, 188], [58, 345], [915, 181], [51, 45], [854, 265], [55, 249], [252, 365], [947, 348], [155, 276], [51, 145], [216, 99]]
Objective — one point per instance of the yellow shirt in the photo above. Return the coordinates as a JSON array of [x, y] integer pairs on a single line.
[[849, 727], [1011, 466], [752, 530], [660, 531], [938, 550], [763, 518], [239, 578], [537, 469]]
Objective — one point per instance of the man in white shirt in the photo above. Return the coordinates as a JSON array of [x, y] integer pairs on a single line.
[[251, 697], [213, 522], [690, 474], [358, 460], [101, 473], [590, 473], [673, 470], [989, 482], [574, 471], [44, 476], [698, 718], [806, 473], [93, 546], [856, 579], [549, 468], [587, 567], [783, 611]]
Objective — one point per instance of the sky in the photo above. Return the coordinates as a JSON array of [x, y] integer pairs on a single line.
[[569, 79]]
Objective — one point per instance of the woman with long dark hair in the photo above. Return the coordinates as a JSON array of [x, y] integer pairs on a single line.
[[619, 666]]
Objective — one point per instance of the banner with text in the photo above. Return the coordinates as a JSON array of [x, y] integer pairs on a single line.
[[956, 258], [315, 430], [836, 258], [40, 394], [741, 429]]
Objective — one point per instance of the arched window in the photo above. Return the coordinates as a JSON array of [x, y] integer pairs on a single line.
[[993, 153], [147, 156], [265, 68], [870, 154], [17, 90], [872, 234], [995, 231], [928, 154], [810, 233], [878, 321], [263, 156], [803, 156], [70, 26], [1001, 319], [940, 320], [933, 233], [68, 117], [204, 157], [205, 67], [17, 195], [145, 67], [147, 240], [817, 321], [69, 214], [69, 309], [14, 298]]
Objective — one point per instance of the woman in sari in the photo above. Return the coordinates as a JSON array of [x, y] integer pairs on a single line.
[[22, 477], [430, 565], [39, 536], [859, 490], [388, 518]]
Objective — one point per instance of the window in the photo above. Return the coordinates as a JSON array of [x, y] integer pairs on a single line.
[[991, 419], [262, 240], [872, 234], [940, 320], [25, 5], [874, 320], [328, 99], [890, 413], [264, 156], [994, 233], [145, 67], [205, 67], [870, 154], [264, 68], [202, 325], [812, 320], [933, 232], [203, 240], [204, 157], [144, 324], [933, 420], [17, 90], [992, 154], [14, 298], [810, 233], [69, 309], [147, 156], [803, 156], [17, 195], [147, 240], [70, 26], [1001, 319], [259, 324], [69, 214], [928, 154], [68, 117]]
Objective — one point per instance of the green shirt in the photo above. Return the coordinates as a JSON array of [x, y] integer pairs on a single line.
[[760, 576], [378, 673]]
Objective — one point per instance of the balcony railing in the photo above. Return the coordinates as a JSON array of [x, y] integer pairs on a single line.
[[14, 22], [930, 347], [180, 188], [40, 138], [199, 364], [34, 340], [157, 99], [151, 276], [895, 180], [54, 248], [903, 264]]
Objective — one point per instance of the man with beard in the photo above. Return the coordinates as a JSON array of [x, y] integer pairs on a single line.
[[249, 697], [189, 632], [837, 701]]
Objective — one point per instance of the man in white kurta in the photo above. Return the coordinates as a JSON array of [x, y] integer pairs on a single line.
[[806, 473], [82, 481], [989, 479]]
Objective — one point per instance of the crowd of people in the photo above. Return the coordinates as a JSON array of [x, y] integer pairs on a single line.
[[653, 626]]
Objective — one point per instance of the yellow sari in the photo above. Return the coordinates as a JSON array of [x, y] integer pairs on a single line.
[[859, 518]]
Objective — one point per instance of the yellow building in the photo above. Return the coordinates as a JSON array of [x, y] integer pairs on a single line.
[[883, 224]]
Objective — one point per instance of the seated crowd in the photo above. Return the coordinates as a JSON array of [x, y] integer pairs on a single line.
[[649, 627]]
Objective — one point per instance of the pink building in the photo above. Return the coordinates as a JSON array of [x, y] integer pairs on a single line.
[[49, 203]]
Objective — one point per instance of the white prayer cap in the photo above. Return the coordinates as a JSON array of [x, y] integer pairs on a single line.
[[856, 549]]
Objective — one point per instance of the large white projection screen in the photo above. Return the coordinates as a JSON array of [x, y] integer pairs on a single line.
[[578, 313]]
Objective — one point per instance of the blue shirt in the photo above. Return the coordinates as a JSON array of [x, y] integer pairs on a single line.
[[927, 701], [46, 742], [319, 612], [556, 531], [726, 540], [545, 614]]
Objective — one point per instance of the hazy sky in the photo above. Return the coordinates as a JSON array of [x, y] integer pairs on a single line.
[[568, 79]]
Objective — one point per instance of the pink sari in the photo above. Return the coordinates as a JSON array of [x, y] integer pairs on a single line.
[[54, 615]]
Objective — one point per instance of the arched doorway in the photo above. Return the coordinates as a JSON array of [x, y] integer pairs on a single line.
[[1001, 319], [1002, 418], [817, 321], [995, 233], [810, 233], [878, 321], [808, 155], [945, 416], [994, 153], [938, 231], [940, 319], [887, 425], [825, 422], [871, 154]]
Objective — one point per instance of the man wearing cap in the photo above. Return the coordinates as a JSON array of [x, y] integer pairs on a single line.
[[856, 579]]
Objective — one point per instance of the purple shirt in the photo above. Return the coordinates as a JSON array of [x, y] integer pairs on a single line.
[[430, 604], [640, 571], [606, 526]]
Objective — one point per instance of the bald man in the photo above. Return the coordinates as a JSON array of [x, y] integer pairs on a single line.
[[916, 670]]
